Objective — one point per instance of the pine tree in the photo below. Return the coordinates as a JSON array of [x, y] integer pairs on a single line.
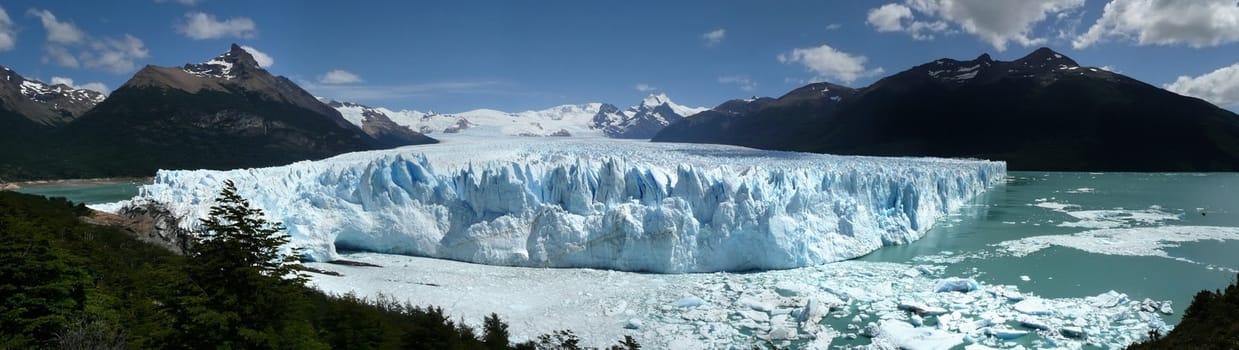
[[243, 290], [496, 332], [41, 287]]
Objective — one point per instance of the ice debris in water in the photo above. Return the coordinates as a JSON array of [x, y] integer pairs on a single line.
[[831, 302], [633, 206]]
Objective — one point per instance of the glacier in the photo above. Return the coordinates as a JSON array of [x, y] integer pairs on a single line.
[[597, 203]]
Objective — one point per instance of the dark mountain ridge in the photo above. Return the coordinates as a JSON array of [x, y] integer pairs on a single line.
[[1039, 112], [221, 114]]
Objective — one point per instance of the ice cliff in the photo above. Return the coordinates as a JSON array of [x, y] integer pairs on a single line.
[[610, 204]]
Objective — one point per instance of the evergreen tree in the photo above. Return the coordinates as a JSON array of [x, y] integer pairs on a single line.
[[242, 290], [496, 332], [41, 286]]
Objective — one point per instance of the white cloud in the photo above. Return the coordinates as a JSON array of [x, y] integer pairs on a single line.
[[339, 76], [996, 22], [59, 55], [888, 18], [94, 86], [1221, 87], [714, 37], [834, 26], [8, 35], [891, 18], [58, 32], [830, 64], [643, 87], [264, 60], [199, 26], [69, 46], [740, 81], [1196, 23], [115, 55]]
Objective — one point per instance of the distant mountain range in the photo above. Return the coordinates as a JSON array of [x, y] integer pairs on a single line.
[[1040, 112], [640, 121], [225, 113]]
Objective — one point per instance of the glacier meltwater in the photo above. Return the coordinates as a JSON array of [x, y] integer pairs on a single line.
[[595, 203]]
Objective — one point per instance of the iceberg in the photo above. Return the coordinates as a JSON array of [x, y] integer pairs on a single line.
[[609, 204]]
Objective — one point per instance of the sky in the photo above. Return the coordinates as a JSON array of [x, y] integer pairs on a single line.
[[452, 56]]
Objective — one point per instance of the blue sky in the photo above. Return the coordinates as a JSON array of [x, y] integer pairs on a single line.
[[518, 55]]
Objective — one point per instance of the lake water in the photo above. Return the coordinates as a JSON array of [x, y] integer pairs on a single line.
[[1009, 212], [87, 193], [998, 240]]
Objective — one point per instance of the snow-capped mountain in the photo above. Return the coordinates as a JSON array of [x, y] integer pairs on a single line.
[[42, 103], [590, 119], [227, 112]]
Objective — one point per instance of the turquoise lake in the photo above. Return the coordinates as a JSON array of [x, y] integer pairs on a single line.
[[1009, 212], [87, 193]]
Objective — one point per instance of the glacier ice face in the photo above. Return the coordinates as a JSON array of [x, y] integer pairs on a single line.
[[612, 204]]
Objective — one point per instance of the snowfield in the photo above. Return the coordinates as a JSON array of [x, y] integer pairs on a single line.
[[595, 203]]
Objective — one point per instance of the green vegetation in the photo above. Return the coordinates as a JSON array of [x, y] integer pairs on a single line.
[[1210, 322], [71, 285]]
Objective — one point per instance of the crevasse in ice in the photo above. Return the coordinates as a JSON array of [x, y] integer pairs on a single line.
[[624, 205]]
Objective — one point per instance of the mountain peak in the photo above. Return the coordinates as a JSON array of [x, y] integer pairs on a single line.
[[1045, 57], [227, 65], [984, 58], [655, 100]]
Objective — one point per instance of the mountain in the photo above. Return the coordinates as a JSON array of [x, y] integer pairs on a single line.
[[27, 103], [759, 122], [224, 113], [1040, 112], [643, 121], [590, 119], [380, 127]]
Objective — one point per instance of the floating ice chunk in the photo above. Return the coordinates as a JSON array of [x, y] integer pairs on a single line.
[[916, 320], [1032, 306], [782, 333], [812, 312], [955, 284], [1082, 190], [1025, 278], [1033, 323], [1005, 333], [1143, 241], [688, 301], [790, 288], [904, 336], [870, 330], [921, 309], [1108, 299], [633, 323], [1072, 332], [1150, 305], [1119, 218], [757, 303], [1055, 206]]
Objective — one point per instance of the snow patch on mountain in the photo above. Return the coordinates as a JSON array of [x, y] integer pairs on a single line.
[[589, 120], [42, 92]]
